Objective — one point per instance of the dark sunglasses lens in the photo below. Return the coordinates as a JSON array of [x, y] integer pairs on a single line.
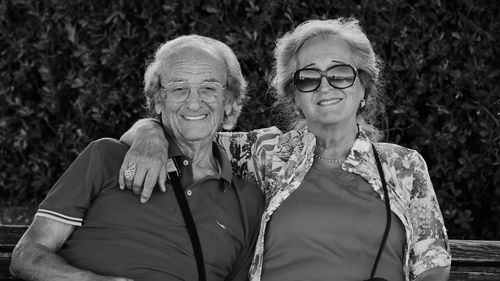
[[341, 76], [307, 80]]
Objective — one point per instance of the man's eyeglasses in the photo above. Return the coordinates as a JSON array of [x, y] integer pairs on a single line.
[[179, 91], [339, 76]]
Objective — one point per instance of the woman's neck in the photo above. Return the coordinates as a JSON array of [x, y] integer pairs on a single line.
[[334, 142]]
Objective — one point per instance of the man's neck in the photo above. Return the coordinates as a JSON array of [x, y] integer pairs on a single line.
[[203, 160]]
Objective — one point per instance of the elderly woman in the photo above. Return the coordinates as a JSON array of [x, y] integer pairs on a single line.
[[339, 204], [87, 229]]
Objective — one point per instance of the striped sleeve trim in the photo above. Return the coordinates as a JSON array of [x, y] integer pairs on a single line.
[[59, 217]]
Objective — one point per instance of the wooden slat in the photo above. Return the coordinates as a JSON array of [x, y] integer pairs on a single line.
[[474, 276], [475, 252], [472, 260], [9, 235]]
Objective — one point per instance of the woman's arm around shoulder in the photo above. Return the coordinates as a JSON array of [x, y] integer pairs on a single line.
[[249, 151]]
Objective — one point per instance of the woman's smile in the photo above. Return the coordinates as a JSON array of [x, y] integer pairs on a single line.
[[330, 101]]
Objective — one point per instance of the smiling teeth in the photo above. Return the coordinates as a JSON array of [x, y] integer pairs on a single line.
[[199, 117], [330, 102]]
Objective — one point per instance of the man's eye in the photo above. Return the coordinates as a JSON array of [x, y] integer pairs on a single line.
[[209, 88]]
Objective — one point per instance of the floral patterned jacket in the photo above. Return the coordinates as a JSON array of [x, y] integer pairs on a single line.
[[278, 162]]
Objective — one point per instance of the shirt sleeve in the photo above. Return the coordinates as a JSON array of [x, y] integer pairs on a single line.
[[70, 197], [429, 248], [250, 152]]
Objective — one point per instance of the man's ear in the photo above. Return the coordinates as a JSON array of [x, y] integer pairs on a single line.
[[158, 107], [228, 108], [228, 103]]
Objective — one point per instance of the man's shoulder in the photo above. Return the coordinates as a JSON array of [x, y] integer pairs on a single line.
[[107, 146], [247, 188], [248, 192], [108, 152], [107, 143]]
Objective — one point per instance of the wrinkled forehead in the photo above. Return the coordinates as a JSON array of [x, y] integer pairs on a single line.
[[322, 50], [192, 62]]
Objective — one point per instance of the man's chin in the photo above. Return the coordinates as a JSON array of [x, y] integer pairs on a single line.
[[197, 135]]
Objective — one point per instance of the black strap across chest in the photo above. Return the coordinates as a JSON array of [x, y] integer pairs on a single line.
[[188, 218], [388, 218]]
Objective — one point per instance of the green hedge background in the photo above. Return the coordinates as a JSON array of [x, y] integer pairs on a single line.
[[71, 72]]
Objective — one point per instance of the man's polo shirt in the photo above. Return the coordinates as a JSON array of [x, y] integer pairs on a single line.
[[116, 235]]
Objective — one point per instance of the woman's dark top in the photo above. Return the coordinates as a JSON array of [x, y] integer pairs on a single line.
[[330, 228]]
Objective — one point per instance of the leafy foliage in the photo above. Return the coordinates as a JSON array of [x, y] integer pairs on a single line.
[[71, 72]]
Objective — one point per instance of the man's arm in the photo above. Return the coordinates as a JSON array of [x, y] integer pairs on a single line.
[[34, 257], [149, 150]]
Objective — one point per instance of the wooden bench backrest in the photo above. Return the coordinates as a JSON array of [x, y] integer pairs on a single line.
[[471, 259], [9, 235]]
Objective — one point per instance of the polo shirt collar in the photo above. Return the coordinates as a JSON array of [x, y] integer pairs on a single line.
[[224, 165], [173, 149]]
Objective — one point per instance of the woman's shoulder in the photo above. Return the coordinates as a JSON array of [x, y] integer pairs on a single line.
[[392, 148], [392, 152], [267, 133]]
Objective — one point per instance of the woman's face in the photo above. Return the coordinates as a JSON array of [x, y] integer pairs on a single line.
[[327, 106]]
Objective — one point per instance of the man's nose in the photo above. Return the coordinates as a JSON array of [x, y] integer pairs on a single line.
[[193, 101]]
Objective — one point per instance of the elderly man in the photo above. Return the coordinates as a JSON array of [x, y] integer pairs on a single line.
[[87, 229]]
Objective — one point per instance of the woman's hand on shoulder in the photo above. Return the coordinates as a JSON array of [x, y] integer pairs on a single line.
[[144, 163]]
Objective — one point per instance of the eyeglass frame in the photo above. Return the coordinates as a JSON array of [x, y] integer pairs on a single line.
[[323, 74], [190, 86]]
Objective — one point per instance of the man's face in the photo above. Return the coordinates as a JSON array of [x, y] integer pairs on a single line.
[[192, 99]]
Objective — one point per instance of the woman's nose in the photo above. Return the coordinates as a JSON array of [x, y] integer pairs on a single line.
[[325, 86]]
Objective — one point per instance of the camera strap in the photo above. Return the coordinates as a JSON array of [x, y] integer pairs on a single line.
[[388, 214], [173, 175]]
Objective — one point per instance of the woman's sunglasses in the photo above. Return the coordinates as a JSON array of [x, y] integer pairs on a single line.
[[339, 76]]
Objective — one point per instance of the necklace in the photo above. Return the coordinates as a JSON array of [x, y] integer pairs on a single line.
[[338, 161]]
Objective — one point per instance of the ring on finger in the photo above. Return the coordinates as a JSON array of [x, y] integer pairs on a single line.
[[129, 174], [132, 165]]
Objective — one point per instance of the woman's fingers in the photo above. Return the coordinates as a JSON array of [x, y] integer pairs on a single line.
[[150, 182], [162, 178], [138, 181]]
